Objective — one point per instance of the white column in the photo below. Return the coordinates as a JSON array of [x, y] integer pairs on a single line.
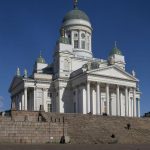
[[35, 106], [93, 101], [117, 101], [88, 97], [126, 101], [61, 102], [107, 98], [98, 99], [139, 111], [101, 104], [45, 93], [25, 99], [23, 108], [20, 102], [84, 100], [134, 103], [129, 104]]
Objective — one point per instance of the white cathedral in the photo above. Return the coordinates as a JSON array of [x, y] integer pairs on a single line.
[[76, 82]]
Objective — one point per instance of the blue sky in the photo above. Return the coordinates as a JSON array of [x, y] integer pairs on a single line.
[[27, 26]]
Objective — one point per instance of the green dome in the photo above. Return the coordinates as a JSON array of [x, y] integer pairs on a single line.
[[76, 14], [41, 60], [114, 51]]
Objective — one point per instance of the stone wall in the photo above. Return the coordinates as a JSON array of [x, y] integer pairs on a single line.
[[41, 127], [26, 127]]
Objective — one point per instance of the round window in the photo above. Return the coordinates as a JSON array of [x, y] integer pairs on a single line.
[[83, 35]]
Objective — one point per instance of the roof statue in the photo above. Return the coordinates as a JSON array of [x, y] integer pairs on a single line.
[[25, 73], [115, 44], [133, 73], [18, 72]]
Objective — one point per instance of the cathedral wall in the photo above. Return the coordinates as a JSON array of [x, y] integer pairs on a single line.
[[77, 63]]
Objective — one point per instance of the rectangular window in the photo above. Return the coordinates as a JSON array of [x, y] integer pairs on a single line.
[[49, 107], [83, 45], [76, 44]]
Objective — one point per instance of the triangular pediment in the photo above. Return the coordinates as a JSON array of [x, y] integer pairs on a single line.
[[16, 80], [113, 72]]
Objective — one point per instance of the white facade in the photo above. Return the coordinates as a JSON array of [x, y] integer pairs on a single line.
[[76, 82]]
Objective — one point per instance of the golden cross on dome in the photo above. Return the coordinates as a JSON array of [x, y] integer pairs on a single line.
[[115, 44], [41, 51], [75, 3]]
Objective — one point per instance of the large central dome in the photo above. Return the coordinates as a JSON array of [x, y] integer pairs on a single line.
[[77, 29], [76, 14]]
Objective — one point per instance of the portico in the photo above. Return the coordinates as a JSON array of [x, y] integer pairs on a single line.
[[99, 98], [101, 92]]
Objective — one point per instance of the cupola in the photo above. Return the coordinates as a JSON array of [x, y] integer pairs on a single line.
[[76, 31]]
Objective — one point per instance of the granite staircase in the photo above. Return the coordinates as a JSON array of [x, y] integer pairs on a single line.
[[42, 127], [104, 129]]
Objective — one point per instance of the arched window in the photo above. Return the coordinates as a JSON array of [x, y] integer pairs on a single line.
[[76, 40], [88, 42], [83, 41], [76, 43]]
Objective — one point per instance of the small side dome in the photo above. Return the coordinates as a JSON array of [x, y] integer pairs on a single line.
[[76, 14], [41, 60], [115, 50]]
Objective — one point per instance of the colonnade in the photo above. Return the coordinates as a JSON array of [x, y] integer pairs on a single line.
[[94, 105], [19, 101], [27, 99]]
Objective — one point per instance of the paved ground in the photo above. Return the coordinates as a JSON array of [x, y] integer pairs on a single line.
[[74, 147]]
